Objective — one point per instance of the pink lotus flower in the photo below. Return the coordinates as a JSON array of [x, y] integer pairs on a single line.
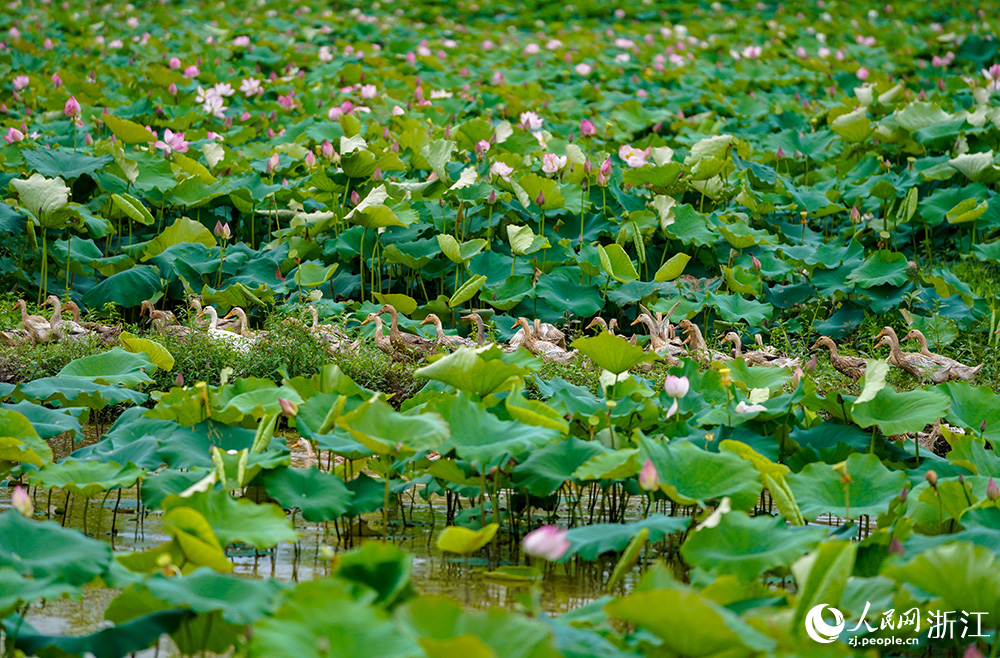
[[13, 135], [676, 387], [502, 170], [251, 87], [171, 142], [632, 156], [287, 102], [862, 73], [21, 82], [368, 91], [587, 128], [325, 54], [21, 502], [547, 542], [584, 69], [744, 408], [222, 230], [482, 146], [272, 164], [992, 74], [649, 479], [531, 121], [192, 72], [551, 163], [56, 81], [398, 111], [174, 63], [72, 107], [531, 49], [241, 41], [498, 78], [223, 89]]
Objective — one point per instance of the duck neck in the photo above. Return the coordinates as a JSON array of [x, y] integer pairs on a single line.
[[737, 346], [529, 337], [832, 346], [480, 330], [923, 343]]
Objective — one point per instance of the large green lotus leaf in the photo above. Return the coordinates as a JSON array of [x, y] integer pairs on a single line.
[[881, 268], [383, 567], [75, 393], [747, 547], [436, 619], [732, 307], [614, 465], [158, 486], [896, 413], [481, 438], [548, 467], [19, 442], [456, 539], [691, 475], [311, 275], [64, 162], [971, 406], [919, 115], [438, 154], [86, 478], [741, 236], [158, 354], [750, 378], [818, 488], [854, 127], [534, 412], [240, 600], [523, 241], [322, 618], [114, 367], [971, 582], [259, 525], [533, 185], [672, 268], [48, 423], [384, 430], [709, 629], [476, 371], [192, 544], [17, 589], [47, 200], [617, 264], [977, 167], [237, 294], [320, 496], [129, 288], [467, 290], [970, 452], [183, 230], [132, 208], [821, 577], [129, 132], [591, 541], [459, 252], [563, 294], [660, 176], [262, 401], [612, 353], [44, 550], [131, 637]]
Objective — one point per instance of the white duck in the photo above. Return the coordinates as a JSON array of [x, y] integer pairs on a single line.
[[235, 341], [38, 328]]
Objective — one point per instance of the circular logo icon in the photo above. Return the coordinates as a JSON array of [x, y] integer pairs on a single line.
[[821, 631]]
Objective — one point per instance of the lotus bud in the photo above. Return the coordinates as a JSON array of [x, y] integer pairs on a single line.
[[606, 167], [992, 490], [72, 107], [587, 167], [88, 140], [377, 176], [179, 380], [288, 407], [447, 132], [676, 387], [395, 146], [780, 154], [755, 262], [272, 163], [602, 180], [982, 426], [547, 542], [56, 81], [904, 494], [310, 159], [649, 479], [811, 364], [222, 230], [587, 127], [355, 198], [386, 135], [895, 547], [21, 501], [540, 199], [932, 478], [492, 197]]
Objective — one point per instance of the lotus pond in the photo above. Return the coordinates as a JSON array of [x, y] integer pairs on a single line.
[[295, 489]]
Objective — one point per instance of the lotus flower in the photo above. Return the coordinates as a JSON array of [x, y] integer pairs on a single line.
[[272, 164], [171, 142], [551, 163], [584, 69], [992, 74], [649, 479], [482, 146], [862, 73], [744, 408], [21, 501], [20, 82], [587, 128], [241, 41], [633, 157], [174, 63], [547, 542], [368, 91], [676, 387], [72, 107], [531, 121], [192, 72], [502, 170], [13, 135]]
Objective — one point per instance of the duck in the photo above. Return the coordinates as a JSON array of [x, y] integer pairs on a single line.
[[696, 343], [402, 342], [757, 358], [161, 325], [196, 308], [852, 366], [242, 326], [106, 333], [662, 320], [543, 331], [62, 328], [381, 340], [444, 340], [38, 328], [543, 348], [922, 367], [657, 342], [957, 369], [147, 308], [237, 342], [480, 327]]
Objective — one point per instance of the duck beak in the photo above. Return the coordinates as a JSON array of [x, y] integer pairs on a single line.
[[366, 321], [513, 326], [227, 315], [634, 322], [424, 321], [880, 334], [815, 345]]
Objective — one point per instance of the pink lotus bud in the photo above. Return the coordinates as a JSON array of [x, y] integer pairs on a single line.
[[179, 380], [377, 176], [71, 108], [754, 262], [395, 146], [272, 164], [992, 490], [172, 89], [222, 230], [587, 167], [386, 135], [21, 501], [649, 479], [492, 198], [601, 179], [587, 128], [310, 159], [288, 407], [547, 542], [676, 387], [855, 214], [862, 73], [88, 140], [540, 199], [780, 154], [447, 132], [896, 547], [326, 148], [482, 146], [606, 168], [175, 63], [932, 478], [56, 81], [228, 123], [355, 198]]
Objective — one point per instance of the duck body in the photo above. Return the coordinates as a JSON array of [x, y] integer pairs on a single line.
[[410, 344], [542, 348], [232, 340], [38, 328], [956, 370], [696, 343], [852, 366], [918, 365]]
